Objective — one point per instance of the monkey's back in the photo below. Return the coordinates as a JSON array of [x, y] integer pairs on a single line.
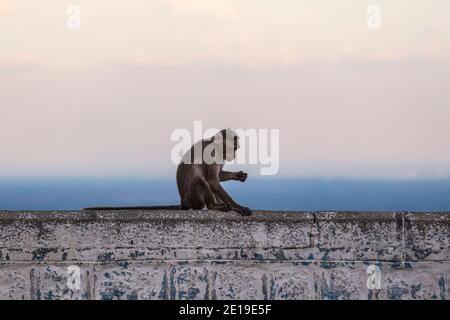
[[189, 169], [186, 174], [182, 179]]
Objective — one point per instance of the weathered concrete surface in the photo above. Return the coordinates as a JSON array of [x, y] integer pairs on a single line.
[[216, 255]]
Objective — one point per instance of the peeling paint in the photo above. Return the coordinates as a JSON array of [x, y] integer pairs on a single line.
[[215, 255]]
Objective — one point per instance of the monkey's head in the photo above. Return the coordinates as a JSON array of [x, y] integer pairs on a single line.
[[230, 143]]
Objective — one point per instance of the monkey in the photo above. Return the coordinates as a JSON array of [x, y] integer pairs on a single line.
[[199, 175]]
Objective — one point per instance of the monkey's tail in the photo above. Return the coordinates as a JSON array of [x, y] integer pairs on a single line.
[[135, 208]]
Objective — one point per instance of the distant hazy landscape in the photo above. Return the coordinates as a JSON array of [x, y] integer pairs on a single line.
[[273, 194]]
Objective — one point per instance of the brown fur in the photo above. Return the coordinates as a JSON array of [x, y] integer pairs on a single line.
[[199, 183]]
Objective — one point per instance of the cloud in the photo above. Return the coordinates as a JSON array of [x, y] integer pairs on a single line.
[[5, 7], [222, 9], [346, 95], [18, 61], [224, 32], [427, 49]]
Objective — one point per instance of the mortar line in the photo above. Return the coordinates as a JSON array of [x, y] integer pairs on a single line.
[[70, 262]]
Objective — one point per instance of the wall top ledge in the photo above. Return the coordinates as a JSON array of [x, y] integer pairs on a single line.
[[7, 216]]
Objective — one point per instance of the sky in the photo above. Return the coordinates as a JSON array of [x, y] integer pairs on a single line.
[[350, 102]]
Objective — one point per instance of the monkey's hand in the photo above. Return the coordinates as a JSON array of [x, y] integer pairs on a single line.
[[244, 211], [241, 176]]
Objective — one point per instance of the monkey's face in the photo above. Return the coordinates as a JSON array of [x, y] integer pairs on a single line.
[[231, 144], [226, 143]]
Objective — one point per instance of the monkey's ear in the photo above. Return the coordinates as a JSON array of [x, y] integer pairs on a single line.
[[213, 138]]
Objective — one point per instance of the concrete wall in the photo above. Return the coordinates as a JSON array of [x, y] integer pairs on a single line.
[[214, 255]]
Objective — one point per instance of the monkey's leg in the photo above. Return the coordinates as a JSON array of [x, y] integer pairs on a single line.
[[224, 196], [183, 205], [201, 194]]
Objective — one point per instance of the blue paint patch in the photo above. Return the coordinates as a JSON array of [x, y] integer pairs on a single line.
[[132, 296], [107, 256], [49, 295], [137, 254], [310, 257], [40, 253], [111, 294], [163, 294], [421, 254], [258, 256], [415, 289], [279, 254], [326, 255], [230, 293], [442, 288], [173, 289], [332, 292], [327, 265], [396, 292], [193, 293]]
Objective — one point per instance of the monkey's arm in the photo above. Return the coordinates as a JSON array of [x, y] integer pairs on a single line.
[[227, 175]]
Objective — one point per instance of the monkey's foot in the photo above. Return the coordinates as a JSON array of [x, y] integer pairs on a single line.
[[220, 206], [244, 211]]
